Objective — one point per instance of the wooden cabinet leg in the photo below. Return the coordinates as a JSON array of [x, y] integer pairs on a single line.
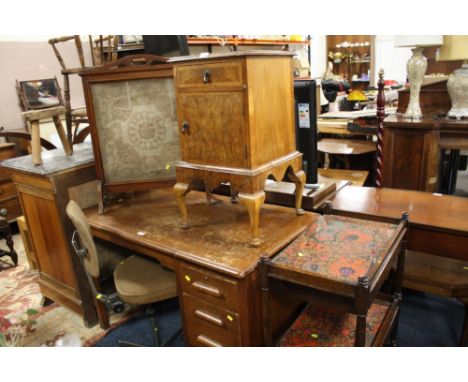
[[209, 195], [36, 143], [234, 193], [180, 190], [299, 179], [66, 146], [253, 203], [100, 197]]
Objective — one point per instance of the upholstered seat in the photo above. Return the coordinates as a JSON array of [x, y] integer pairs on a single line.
[[319, 326], [139, 280]]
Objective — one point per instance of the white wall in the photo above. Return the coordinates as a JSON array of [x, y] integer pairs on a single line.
[[29, 58], [318, 52], [390, 58]]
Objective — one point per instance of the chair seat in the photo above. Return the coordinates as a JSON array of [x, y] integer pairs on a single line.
[[141, 281], [320, 326], [79, 112]]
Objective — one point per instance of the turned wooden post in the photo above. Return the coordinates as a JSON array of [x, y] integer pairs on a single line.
[[380, 128]]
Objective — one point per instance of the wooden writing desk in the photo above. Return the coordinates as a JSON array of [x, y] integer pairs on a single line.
[[216, 269], [438, 226], [438, 223]]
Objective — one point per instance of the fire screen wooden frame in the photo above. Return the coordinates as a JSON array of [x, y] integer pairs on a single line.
[[132, 115]]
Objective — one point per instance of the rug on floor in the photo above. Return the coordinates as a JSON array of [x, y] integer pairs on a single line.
[[20, 291]]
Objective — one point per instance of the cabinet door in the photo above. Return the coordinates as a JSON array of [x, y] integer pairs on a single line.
[[214, 132]]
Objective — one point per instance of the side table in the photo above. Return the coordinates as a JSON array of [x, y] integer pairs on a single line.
[[339, 266]]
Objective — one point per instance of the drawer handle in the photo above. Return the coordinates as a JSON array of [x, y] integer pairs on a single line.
[[209, 317], [3, 212], [207, 289], [206, 76], [207, 341]]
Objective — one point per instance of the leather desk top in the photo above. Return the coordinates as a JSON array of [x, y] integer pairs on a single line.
[[218, 235]]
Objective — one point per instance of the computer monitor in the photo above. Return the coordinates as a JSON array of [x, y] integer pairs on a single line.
[[306, 126], [166, 45]]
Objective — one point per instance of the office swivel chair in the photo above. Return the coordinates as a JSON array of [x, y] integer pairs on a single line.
[[138, 280]]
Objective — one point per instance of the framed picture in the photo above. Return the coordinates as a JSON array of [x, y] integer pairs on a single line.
[[132, 115], [39, 94]]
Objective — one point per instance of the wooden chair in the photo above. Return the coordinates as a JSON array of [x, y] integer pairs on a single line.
[[33, 118], [138, 280], [339, 311], [103, 50]]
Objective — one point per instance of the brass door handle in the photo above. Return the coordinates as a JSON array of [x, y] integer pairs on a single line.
[[207, 289]]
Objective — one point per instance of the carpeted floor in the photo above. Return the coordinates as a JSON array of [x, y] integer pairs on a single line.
[[425, 320], [19, 291]]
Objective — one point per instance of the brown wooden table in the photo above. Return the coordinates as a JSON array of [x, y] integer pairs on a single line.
[[216, 269], [345, 148], [438, 228]]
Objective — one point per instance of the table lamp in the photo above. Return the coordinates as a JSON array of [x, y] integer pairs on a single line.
[[456, 48], [416, 67]]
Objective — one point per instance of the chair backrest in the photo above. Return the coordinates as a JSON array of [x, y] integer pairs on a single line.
[[81, 224], [104, 49], [79, 49]]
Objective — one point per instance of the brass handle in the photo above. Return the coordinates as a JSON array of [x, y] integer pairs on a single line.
[[184, 128], [3, 212], [206, 76], [209, 317], [208, 341], [207, 289]]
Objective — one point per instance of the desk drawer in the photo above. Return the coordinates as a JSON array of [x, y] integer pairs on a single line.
[[209, 286], [10, 209], [210, 77], [7, 190], [208, 325]]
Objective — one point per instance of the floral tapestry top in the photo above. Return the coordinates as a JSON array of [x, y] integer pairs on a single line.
[[338, 248]]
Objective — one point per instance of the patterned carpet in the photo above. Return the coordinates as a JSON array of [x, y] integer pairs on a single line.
[[19, 291]]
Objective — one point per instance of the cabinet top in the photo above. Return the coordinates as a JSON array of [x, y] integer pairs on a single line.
[[246, 53], [53, 160]]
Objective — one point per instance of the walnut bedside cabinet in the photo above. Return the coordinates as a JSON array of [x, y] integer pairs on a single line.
[[236, 120]]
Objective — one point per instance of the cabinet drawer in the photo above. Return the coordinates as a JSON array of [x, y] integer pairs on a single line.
[[7, 190], [10, 209], [209, 286], [208, 325], [217, 76]]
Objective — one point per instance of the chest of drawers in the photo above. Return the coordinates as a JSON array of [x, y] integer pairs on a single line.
[[10, 207]]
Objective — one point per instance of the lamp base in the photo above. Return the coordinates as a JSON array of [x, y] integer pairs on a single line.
[[416, 68], [457, 86]]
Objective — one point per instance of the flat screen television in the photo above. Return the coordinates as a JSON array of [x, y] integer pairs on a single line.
[[166, 45], [306, 126]]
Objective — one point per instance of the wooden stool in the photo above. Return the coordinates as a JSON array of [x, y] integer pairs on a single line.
[[6, 234], [33, 117]]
